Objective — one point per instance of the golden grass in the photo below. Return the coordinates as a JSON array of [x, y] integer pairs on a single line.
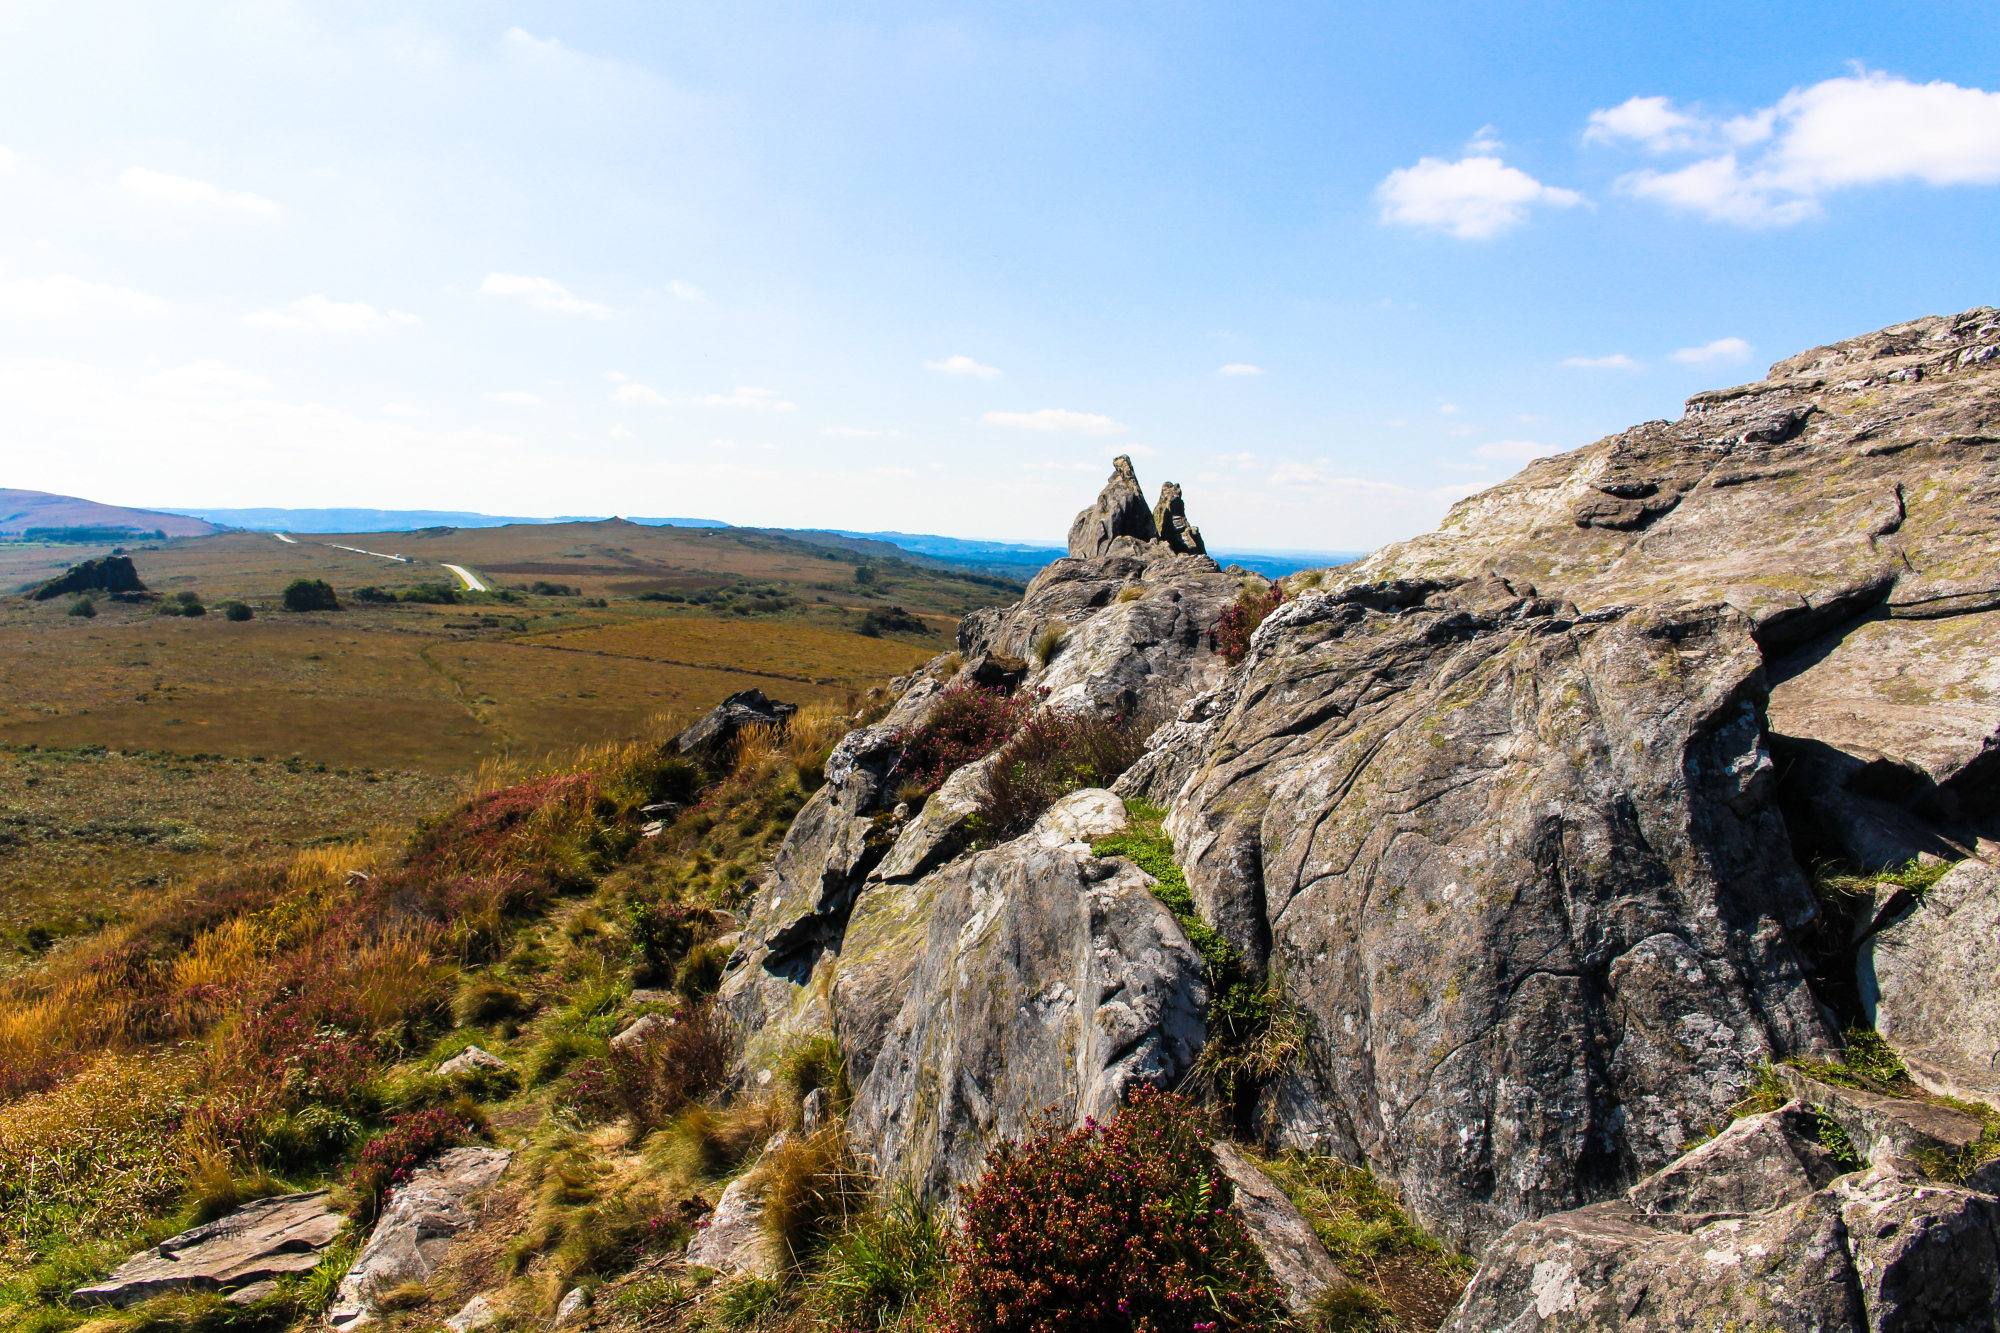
[[785, 647]]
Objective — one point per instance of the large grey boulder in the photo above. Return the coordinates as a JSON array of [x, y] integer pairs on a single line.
[[1931, 984], [1754, 1230], [1121, 511], [723, 723], [1170, 521], [1033, 976], [256, 1243], [437, 1202], [1521, 867]]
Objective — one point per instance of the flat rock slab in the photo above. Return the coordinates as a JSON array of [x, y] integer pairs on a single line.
[[732, 1238], [1933, 982], [1885, 1129], [259, 1241], [1291, 1249], [416, 1228]]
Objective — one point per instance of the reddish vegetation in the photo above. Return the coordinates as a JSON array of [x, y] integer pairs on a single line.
[[966, 723], [389, 1158], [1119, 1226], [650, 1081], [1241, 619]]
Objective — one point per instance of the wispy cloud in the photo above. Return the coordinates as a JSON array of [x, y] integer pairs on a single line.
[[1723, 350], [963, 365], [1240, 368], [1055, 418], [1616, 361], [61, 295], [516, 398], [316, 312], [1472, 199], [863, 431], [685, 291], [542, 294], [206, 379], [759, 400], [164, 188], [1772, 168]]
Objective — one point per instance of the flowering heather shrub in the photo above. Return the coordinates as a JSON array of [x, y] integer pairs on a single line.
[[1241, 619], [548, 826], [301, 1058], [1120, 1227], [966, 723], [662, 934], [391, 1156], [680, 1063], [1051, 755]]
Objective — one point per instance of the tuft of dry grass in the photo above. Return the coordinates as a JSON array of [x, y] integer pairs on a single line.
[[704, 1143], [812, 1189]]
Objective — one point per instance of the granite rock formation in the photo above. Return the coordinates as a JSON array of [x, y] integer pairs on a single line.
[[110, 573], [267, 1239], [724, 722], [1930, 980], [438, 1201], [1518, 812]]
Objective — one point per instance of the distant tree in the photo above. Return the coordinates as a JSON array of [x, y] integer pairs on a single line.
[[310, 595], [83, 606], [863, 574], [236, 610]]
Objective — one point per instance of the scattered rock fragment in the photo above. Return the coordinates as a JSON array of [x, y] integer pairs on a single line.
[[475, 1314], [470, 1061], [1280, 1231], [747, 708], [410, 1239], [732, 1239], [259, 1241]]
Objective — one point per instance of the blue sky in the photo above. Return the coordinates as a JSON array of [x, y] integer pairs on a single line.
[[928, 267]]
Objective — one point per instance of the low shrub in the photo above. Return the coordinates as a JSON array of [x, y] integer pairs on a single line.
[[310, 595], [681, 1061], [1050, 642], [700, 973], [237, 611], [887, 1260], [808, 1066], [704, 1143], [82, 606], [389, 1158], [1118, 1226], [965, 723], [1241, 618], [483, 1000], [167, 609], [1049, 756], [891, 620], [558, 1051], [542, 588], [373, 594], [663, 933]]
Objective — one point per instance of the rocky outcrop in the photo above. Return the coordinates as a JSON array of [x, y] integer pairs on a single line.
[[111, 573], [256, 1243], [1121, 511], [415, 1229], [1170, 521], [1930, 981], [714, 733], [1755, 1229], [1034, 975], [732, 1238], [1291, 1250]]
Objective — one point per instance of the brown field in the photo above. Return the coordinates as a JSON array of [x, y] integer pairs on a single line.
[[83, 833]]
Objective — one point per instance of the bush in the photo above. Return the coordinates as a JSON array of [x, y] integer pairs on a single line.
[[812, 1188], [485, 1000], [1119, 1226], [655, 595], [543, 589], [167, 609], [891, 620], [431, 594], [705, 1144], [1051, 755], [885, 1262], [680, 1062], [237, 611], [964, 724], [82, 606], [1241, 619], [371, 593], [410, 1141], [663, 933], [310, 595]]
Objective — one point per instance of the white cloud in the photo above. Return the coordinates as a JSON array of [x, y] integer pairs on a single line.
[[1060, 467], [164, 188], [1725, 350], [1449, 409], [722, 444], [542, 293], [1136, 450], [1865, 129], [1486, 139], [963, 365], [639, 393], [1395, 421], [1240, 368], [316, 312], [892, 472], [760, 400], [685, 291], [62, 295], [616, 376], [1616, 361], [403, 410], [1240, 460], [1513, 450], [206, 379], [848, 430], [1472, 198], [516, 398], [1055, 418], [618, 432]]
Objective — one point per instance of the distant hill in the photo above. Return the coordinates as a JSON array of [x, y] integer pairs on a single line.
[[399, 520], [22, 510]]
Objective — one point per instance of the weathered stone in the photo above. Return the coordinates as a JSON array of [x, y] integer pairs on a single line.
[[253, 1293], [1750, 1231], [732, 1239], [416, 1227], [938, 832], [1898, 1131], [1043, 977], [725, 721], [1170, 522], [1081, 817], [470, 1061], [642, 1030], [574, 1306], [110, 573], [262, 1240], [1291, 1250], [475, 1314], [1930, 984], [815, 1111], [1120, 511]]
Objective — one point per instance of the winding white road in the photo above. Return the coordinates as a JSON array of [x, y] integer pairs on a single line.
[[283, 538], [472, 583]]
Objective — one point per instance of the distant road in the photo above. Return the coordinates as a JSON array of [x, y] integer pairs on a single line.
[[283, 538], [472, 583], [402, 559]]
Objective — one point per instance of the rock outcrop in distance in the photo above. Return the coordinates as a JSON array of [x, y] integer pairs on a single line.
[[111, 573], [1521, 814]]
